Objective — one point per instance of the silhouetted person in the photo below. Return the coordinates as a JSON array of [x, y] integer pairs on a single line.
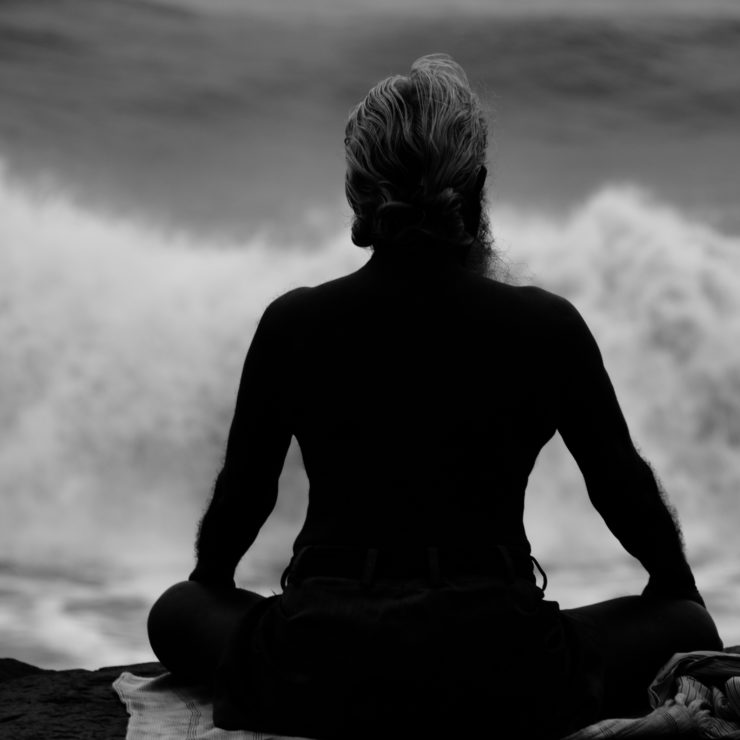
[[421, 389]]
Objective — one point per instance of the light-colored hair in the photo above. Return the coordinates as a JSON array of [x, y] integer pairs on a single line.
[[414, 150]]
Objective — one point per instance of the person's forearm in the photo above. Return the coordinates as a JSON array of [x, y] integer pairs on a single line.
[[637, 515], [227, 531]]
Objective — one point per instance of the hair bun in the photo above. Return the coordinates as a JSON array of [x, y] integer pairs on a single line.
[[395, 219], [435, 218], [446, 208]]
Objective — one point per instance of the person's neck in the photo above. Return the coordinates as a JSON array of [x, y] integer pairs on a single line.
[[417, 259]]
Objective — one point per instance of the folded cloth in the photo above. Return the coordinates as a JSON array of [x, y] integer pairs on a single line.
[[694, 695], [713, 668], [165, 708]]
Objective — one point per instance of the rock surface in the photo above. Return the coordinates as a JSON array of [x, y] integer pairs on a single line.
[[76, 704]]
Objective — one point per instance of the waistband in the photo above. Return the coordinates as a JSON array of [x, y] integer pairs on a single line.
[[435, 562]]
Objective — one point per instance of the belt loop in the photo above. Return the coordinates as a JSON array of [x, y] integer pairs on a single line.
[[292, 567], [286, 573], [544, 575], [508, 563], [435, 575], [371, 558]]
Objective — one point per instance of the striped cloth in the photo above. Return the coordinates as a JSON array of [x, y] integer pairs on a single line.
[[695, 695], [162, 708]]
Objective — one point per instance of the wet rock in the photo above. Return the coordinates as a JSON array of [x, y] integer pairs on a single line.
[[75, 704]]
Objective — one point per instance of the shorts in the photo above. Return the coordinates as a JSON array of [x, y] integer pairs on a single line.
[[341, 658]]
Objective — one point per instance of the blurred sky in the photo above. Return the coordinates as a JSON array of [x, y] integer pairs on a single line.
[[580, 7], [171, 112], [158, 158]]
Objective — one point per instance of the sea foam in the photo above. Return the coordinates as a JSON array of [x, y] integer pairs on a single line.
[[122, 349], [662, 296]]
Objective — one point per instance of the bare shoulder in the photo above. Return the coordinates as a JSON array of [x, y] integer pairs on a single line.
[[537, 296], [303, 298], [531, 300], [286, 306], [563, 322]]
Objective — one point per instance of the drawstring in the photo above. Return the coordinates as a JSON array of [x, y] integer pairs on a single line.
[[542, 572], [292, 565], [286, 573]]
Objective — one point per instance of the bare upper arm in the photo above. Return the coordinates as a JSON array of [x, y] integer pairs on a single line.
[[260, 432], [590, 419]]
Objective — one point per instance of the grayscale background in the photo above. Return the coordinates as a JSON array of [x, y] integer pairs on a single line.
[[167, 168]]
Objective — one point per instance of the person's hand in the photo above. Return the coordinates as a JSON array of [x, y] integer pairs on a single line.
[[664, 588], [212, 579]]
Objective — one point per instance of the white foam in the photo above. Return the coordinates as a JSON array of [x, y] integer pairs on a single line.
[[122, 349], [662, 295]]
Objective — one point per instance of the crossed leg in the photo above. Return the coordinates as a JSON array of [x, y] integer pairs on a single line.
[[639, 636], [189, 626]]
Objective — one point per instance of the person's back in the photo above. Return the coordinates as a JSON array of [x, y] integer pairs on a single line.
[[421, 390], [420, 396]]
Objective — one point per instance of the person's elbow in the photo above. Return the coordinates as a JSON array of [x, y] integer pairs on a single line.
[[619, 479]]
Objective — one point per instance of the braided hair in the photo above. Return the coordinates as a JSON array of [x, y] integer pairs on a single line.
[[416, 149]]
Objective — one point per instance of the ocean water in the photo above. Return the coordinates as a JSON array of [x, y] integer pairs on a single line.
[[166, 172]]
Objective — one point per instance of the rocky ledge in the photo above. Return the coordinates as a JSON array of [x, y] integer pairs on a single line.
[[76, 704]]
